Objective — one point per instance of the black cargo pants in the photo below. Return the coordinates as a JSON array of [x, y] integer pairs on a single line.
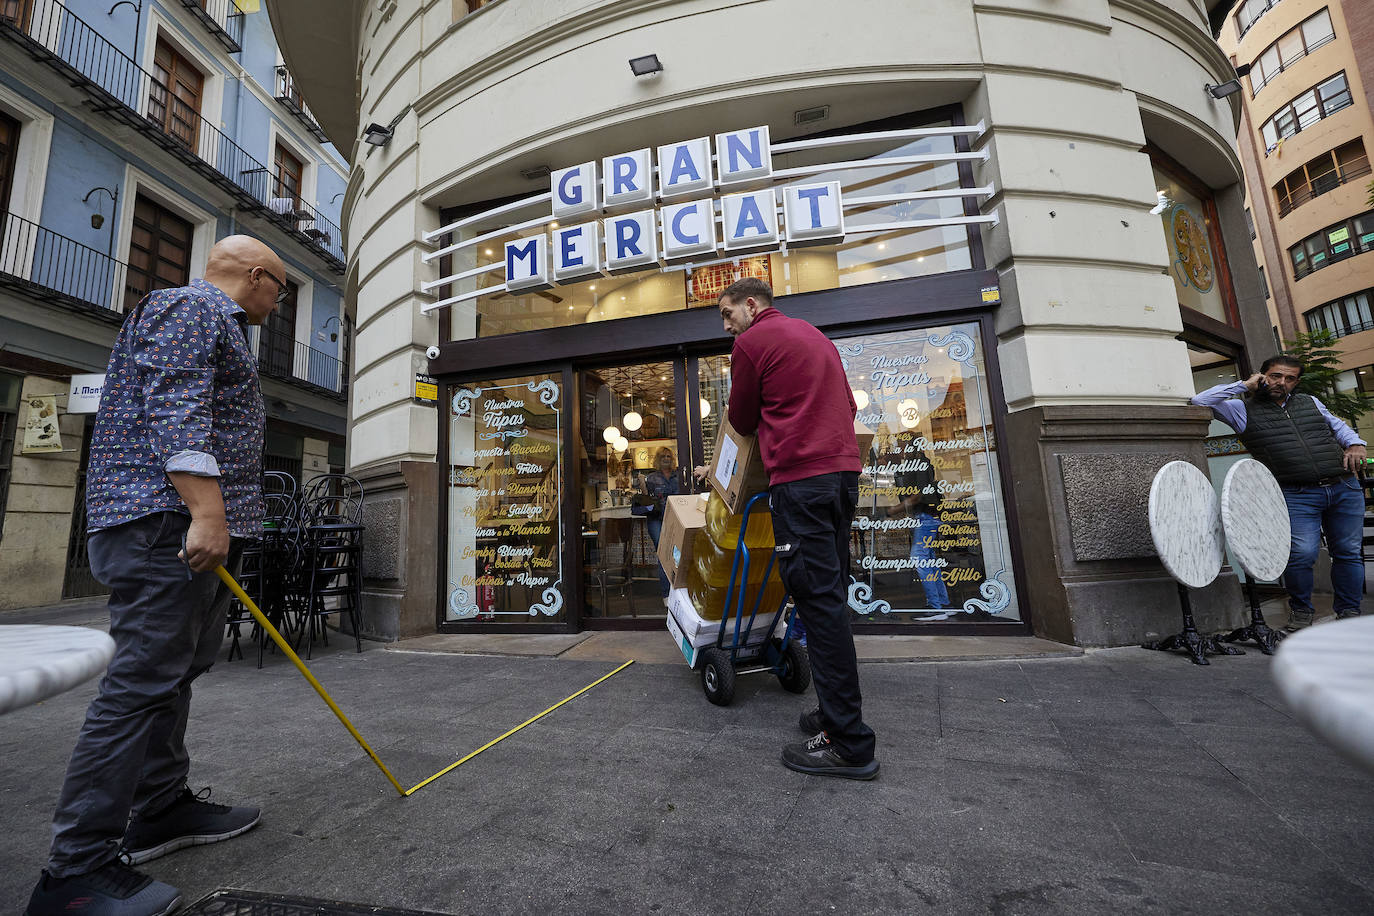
[[811, 523]]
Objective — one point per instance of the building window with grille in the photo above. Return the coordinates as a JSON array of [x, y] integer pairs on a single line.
[[159, 251], [9, 151], [9, 422], [1248, 12], [1347, 315], [1321, 101], [1325, 173], [174, 95], [1264, 282], [1292, 46], [277, 341], [1335, 243], [287, 171]]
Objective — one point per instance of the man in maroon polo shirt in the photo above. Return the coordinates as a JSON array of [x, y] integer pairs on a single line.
[[787, 385]]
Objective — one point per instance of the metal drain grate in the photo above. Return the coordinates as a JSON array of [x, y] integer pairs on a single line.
[[230, 902]]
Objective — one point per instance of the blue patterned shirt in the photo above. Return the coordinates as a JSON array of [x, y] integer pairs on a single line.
[[181, 394]]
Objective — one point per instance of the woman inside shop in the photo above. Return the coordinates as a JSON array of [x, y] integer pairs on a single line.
[[659, 485]]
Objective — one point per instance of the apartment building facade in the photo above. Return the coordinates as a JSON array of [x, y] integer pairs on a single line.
[[1307, 132], [132, 137]]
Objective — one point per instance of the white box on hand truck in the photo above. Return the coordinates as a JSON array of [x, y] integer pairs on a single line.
[[691, 632]]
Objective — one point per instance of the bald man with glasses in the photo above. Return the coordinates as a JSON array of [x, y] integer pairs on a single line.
[[174, 486]]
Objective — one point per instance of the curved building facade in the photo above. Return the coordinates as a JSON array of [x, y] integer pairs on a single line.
[[1038, 233]]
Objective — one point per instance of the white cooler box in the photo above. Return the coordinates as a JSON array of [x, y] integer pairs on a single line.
[[691, 632]]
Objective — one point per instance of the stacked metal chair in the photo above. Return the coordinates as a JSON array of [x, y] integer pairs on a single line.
[[332, 548], [268, 563]]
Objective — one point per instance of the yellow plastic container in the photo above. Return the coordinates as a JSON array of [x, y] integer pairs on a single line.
[[724, 527], [710, 600]]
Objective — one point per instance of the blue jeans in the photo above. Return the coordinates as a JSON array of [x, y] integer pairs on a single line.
[[1338, 510], [655, 531], [937, 596]]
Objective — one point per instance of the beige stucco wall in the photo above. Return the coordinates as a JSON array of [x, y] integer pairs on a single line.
[[1068, 87], [38, 518]]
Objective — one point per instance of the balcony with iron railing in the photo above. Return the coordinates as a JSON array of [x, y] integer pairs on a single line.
[[1318, 185], [223, 19], [125, 92], [283, 357], [290, 98], [43, 265]]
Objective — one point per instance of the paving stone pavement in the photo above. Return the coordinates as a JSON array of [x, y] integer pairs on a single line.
[[1121, 781]]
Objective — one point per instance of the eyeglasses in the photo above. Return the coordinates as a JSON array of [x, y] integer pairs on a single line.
[[283, 291]]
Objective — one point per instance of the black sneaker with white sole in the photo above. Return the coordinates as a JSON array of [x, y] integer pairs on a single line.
[[187, 821], [811, 723], [113, 889], [818, 757]]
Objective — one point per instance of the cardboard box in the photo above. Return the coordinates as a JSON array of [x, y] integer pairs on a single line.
[[683, 517], [691, 633], [736, 472]]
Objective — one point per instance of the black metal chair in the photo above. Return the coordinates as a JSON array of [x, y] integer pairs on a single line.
[[331, 523]]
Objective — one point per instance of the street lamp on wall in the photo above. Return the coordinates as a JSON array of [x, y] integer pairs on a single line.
[[333, 335], [98, 218]]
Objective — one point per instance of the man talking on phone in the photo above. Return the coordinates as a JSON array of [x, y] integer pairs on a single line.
[[1316, 459]]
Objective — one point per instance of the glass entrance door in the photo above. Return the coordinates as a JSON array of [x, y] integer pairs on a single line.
[[632, 447]]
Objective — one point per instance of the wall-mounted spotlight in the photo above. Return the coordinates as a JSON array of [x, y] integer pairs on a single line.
[[1222, 90], [378, 134], [648, 65]]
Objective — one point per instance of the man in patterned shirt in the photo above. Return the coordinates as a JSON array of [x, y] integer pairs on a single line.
[[174, 485]]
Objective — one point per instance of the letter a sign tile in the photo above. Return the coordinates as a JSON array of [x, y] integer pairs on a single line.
[[750, 220]]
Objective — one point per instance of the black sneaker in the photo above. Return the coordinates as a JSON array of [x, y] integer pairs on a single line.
[[1348, 613], [810, 722], [187, 821], [114, 889], [818, 757], [1299, 620]]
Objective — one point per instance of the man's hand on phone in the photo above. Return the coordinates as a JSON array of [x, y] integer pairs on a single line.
[[1255, 382]]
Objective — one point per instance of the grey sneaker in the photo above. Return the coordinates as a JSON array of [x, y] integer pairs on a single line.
[[1348, 613], [113, 889], [1299, 620], [187, 821]]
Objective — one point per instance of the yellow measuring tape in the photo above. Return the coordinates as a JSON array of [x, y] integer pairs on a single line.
[[282, 644]]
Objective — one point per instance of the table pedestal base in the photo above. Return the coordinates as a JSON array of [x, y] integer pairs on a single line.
[[1190, 642], [1257, 630]]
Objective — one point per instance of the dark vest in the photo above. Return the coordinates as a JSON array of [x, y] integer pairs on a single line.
[[1293, 441]]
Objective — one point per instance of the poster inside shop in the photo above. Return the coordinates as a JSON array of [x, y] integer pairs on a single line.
[[930, 534], [41, 433], [505, 558]]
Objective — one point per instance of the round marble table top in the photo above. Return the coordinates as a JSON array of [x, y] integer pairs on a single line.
[[1324, 674], [37, 662], [1185, 524], [1255, 519]]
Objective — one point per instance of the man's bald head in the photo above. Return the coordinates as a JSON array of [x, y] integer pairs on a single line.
[[248, 272]]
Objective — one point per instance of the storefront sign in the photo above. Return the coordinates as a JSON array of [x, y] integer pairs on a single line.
[[40, 428], [84, 396], [506, 543], [930, 516], [631, 241]]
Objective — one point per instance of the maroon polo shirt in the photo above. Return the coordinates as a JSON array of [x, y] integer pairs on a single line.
[[787, 385]]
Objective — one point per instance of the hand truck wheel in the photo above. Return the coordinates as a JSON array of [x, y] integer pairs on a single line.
[[718, 676], [794, 672]]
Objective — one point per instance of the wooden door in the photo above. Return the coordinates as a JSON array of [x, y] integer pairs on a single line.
[[174, 98], [159, 251]]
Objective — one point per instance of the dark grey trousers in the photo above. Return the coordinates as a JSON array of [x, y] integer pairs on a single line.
[[131, 755]]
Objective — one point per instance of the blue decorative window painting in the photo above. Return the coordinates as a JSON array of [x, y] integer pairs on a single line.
[[505, 561], [930, 539]]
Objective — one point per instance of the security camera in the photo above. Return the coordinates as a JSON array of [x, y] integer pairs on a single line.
[[432, 352]]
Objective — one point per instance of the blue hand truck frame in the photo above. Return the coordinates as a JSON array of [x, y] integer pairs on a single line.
[[725, 660]]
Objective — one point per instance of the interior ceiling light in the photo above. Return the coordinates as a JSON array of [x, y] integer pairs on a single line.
[[632, 421], [909, 413], [860, 398], [706, 406], [610, 434]]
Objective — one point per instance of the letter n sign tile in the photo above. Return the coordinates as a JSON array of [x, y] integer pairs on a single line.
[[527, 264]]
